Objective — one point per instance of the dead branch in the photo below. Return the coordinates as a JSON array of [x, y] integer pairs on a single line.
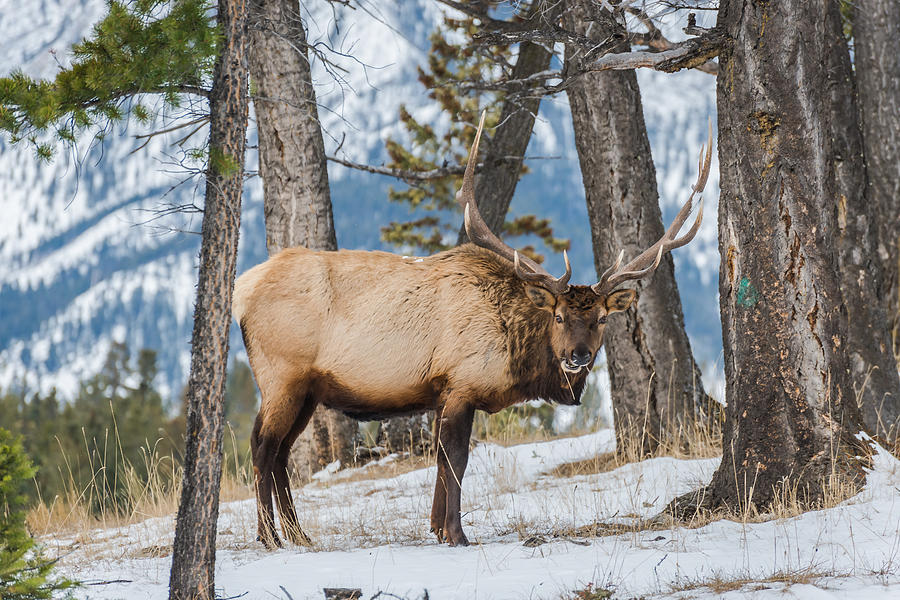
[[694, 53], [148, 136], [689, 54], [404, 174], [656, 41]]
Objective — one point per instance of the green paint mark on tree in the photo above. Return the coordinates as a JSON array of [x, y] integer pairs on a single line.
[[747, 294]]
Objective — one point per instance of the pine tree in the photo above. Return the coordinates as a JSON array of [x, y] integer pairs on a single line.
[[25, 574], [453, 66], [655, 383], [194, 549], [160, 47]]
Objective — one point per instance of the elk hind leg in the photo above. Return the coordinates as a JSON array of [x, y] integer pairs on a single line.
[[290, 525], [273, 424]]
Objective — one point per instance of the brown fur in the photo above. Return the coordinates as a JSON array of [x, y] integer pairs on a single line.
[[375, 335]]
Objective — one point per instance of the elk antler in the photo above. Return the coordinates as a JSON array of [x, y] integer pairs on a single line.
[[648, 260], [481, 235]]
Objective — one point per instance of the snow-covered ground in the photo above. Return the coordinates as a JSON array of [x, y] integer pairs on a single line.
[[522, 520]]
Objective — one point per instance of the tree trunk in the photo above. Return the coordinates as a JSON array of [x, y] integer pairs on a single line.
[[194, 551], [655, 383], [876, 24], [294, 173], [792, 418], [496, 184]]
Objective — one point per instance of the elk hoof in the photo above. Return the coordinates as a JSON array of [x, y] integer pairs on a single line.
[[271, 542], [457, 539], [438, 533]]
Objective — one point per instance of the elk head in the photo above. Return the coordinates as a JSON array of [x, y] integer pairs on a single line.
[[578, 313]]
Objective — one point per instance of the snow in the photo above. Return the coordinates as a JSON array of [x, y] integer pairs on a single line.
[[373, 534]]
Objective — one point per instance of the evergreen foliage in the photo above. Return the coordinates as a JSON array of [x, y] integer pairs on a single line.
[[24, 573], [118, 433], [104, 436], [453, 61], [141, 46]]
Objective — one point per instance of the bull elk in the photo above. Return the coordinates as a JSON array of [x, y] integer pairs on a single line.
[[375, 335]]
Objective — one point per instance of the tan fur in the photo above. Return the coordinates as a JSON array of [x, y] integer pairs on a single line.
[[375, 334], [376, 323]]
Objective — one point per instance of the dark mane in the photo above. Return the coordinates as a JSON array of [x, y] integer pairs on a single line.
[[526, 328]]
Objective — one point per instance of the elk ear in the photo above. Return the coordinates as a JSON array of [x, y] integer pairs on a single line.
[[541, 297], [620, 300]]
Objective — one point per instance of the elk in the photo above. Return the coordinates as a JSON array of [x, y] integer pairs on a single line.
[[375, 335]]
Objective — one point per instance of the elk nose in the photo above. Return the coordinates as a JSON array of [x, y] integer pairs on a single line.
[[581, 357]]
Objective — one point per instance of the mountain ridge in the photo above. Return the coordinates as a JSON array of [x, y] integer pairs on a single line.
[[86, 259]]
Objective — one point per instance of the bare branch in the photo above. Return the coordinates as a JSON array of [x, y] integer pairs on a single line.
[[689, 54], [404, 174], [656, 41], [695, 53], [147, 137]]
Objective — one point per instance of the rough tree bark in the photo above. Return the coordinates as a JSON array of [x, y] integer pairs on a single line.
[[655, 383], [194, 550], [503, 160], [876, 24], [292, 166], [792, 418]]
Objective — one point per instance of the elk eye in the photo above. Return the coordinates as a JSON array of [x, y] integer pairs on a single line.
[[559, 319], [602, 319]]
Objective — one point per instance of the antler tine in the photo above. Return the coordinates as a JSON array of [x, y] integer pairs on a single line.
[[564, 280], [613, 268], [703, 163], [466, 193], [481, 235], [642, 265]]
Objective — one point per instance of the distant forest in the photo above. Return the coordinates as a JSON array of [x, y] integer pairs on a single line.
[[117, 427]]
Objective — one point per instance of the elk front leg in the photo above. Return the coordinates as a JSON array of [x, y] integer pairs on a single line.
[[454, 430]]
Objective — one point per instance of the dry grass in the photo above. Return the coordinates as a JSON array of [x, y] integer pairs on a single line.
[[788, 503], [602, 463], [158, 495], [148, 490], [721, 583], [699, 439], [589, 592]]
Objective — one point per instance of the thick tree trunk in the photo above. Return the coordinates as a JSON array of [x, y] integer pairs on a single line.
[[294, 173], [655, 383], [194, 551], [876, 24], [792, 418], [496, 184]]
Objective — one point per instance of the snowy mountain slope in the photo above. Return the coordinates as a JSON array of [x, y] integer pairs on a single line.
[[84, 262], [524, 523]]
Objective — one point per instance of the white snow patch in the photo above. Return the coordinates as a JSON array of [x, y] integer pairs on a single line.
[[373, 534]]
